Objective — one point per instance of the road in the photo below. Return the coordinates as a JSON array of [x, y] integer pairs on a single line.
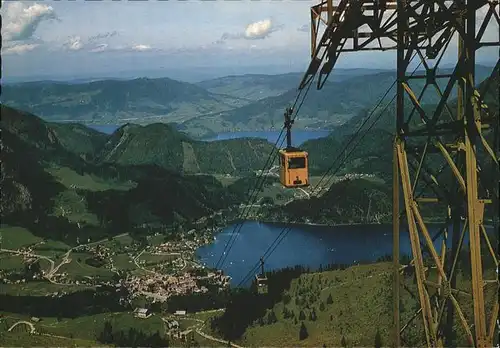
[[53, 268], [66, 258], [98, 242], [142, 268], [198, 328], [212, 338], [25, 253], [23, 322]]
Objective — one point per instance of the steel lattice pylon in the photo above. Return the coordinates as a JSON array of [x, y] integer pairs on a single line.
[[445, 159]]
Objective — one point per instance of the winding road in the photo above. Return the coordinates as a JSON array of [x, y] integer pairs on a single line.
[[53, 268], [199, 327], [23, 322]]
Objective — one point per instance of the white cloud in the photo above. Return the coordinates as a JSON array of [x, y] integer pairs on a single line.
[[95, 42], [19, 49], [257, 30], [99, 48], [74, 43], [99, 43], [103, 47], [22, 20], [141, 48]]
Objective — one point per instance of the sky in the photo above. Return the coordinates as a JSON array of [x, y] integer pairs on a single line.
[[116, 38]]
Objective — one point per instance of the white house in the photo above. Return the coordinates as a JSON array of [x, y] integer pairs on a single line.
[[142, 313]]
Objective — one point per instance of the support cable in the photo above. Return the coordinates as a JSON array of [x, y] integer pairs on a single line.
[[258, 185], [285, 230]]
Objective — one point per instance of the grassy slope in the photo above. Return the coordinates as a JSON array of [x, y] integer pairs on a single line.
[[89, 327], [361, 305], [83, 331], [24, 339]]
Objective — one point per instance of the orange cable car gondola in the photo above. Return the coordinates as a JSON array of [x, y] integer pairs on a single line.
[[261, 280], [294, 168]]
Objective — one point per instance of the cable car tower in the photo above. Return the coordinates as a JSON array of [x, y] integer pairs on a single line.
[[445, 159]]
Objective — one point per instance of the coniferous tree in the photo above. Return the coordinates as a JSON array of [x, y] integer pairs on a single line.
[[312, 315], [303, 334], [329, 300], [343, 342], [321, 306], [286, 298], [378, 340], [271, 318], [302, 315], [106, 335]]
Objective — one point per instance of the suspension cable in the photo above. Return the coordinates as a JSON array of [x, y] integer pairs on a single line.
[[256, 189], [329, 180], [240, 225], [285, 230]]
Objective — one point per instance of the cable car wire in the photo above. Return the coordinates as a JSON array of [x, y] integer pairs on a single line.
[[285, 230], [239, 226], [359, 129], [259, 183]]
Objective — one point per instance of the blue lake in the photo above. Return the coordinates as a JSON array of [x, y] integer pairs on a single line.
[[304, 245], [298, 136], [104, 128]]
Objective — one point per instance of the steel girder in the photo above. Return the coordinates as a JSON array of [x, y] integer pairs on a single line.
[[464, 137]]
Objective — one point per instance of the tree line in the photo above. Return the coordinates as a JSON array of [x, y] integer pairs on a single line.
[[85, 302], [130, 338]]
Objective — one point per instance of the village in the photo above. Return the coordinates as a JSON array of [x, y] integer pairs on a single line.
[[158, 271], [142, 272]]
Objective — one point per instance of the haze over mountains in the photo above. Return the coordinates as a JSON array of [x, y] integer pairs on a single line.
[[134, 155], [232, 103]]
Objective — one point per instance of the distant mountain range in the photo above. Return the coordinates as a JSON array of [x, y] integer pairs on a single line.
[[233, 103], [258, 86], [113, 101], [58, 177]]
